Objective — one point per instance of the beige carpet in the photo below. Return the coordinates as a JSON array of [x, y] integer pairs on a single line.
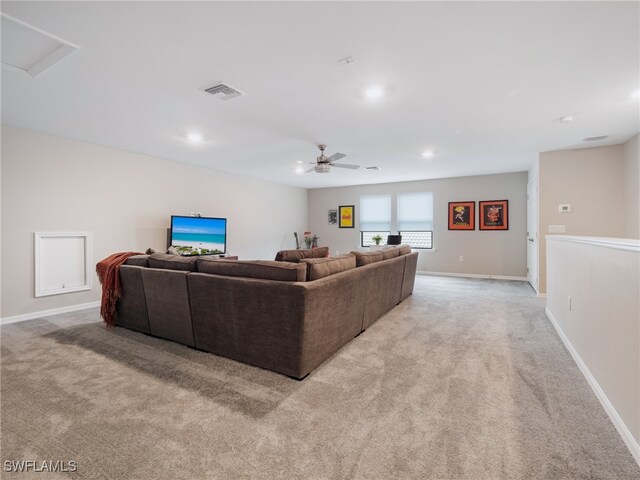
[[466, 379]]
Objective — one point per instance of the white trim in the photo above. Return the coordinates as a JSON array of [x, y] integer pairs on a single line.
[[472, 275], [47, 313], [39, 238], [626, 244], [64, 49], [624, 432]]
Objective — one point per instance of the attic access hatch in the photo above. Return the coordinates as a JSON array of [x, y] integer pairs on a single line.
[[29, 50]]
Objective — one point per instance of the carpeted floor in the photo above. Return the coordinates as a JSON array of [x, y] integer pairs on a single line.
[[466, 379]]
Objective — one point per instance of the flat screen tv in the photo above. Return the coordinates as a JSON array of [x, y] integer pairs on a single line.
[[198, 235]]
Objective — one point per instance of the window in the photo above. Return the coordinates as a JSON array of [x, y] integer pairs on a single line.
[[415, 219], [375, 213], [366, 238], [418, 239]]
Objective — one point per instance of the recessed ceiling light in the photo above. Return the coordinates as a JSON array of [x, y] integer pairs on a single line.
[[299, 169], [636, 94], [427, 154], [194, 137], [374, 92], [299, 162], [566, 119]]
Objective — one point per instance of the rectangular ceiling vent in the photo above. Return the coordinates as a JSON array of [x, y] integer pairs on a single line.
[[595, 139], [227, 92]]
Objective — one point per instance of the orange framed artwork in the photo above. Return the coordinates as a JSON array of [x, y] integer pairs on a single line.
[[494, 215], [346, 216], [462, 215]]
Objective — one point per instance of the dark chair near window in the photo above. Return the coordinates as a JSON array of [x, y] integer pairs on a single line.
[[394, 239]]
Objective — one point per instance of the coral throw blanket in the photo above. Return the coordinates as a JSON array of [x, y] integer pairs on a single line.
[[108, 274]]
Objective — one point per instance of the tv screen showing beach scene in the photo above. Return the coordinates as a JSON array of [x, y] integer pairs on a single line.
[[198, 235]]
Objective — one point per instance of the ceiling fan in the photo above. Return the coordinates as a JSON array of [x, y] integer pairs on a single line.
[[324, 164]]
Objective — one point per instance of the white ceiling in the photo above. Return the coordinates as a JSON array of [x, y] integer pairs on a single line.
[[481, 83]]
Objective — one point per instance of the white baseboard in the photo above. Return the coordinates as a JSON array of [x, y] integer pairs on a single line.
[[46, 313], [624, 432], [471, 275]]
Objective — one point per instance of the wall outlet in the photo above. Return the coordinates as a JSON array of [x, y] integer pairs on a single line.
[[564, 208], [460, 258], [569, 302]]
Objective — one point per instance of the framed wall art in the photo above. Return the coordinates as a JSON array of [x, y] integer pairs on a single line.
[[494, 214], [462, 215], [333, 217], [346, 216]]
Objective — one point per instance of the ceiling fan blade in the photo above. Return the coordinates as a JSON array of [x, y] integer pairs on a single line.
[[310, 170], [345, 165], [336, 156]]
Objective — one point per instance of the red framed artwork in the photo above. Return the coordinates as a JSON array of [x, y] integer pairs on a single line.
[[462, 215], [494, 214]]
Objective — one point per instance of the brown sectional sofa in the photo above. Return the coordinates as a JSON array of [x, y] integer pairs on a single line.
[[284, 316]]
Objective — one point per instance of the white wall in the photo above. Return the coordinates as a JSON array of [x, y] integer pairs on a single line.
[[54, 184], [631, 160], [498, 253], [591, 180], [602, 326]]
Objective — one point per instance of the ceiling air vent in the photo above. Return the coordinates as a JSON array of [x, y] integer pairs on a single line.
[[372, 168], [227, 92], [595, 139]]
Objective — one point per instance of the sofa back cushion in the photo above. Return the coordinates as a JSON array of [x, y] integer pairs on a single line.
[[404, 249], [295, 256], [173, 262], [138, 261], [391, 252], [365, 258], [323, 267], [264, 269]]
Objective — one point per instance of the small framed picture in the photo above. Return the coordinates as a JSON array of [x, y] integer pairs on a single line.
[[346, 216], [494, 215], [333, 217], [462, 215]]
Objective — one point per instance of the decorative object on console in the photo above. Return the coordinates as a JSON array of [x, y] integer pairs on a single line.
[[494, 215], [377, 239], [333, 217], [346, 215], [394, 239], [462, 215], [308, 239]]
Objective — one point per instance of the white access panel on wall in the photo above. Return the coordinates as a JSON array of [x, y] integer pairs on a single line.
[[62, 262]]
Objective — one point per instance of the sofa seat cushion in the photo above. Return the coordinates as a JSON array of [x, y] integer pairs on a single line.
[[391, 252], [264, 269], [138, 261], [323, 267], [404, 249], [295, 256], [173, 262], [365, 258]]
